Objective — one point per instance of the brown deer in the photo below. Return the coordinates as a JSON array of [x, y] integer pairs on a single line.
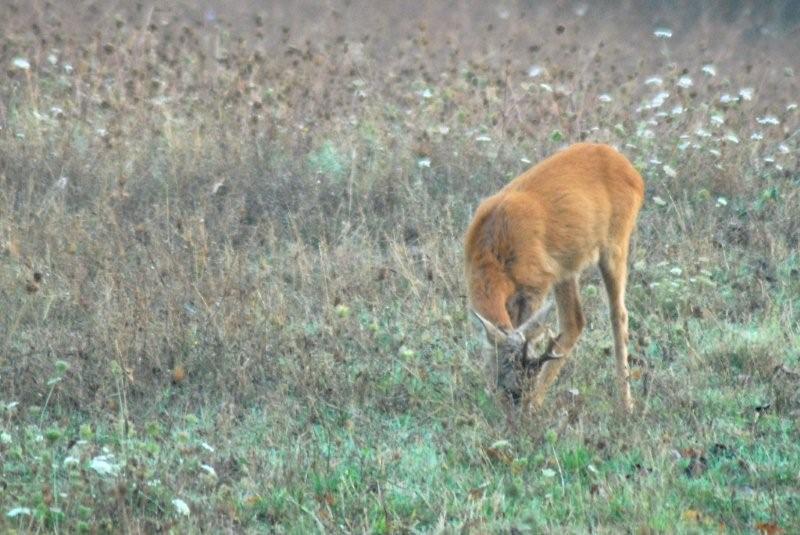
[[572, 210]]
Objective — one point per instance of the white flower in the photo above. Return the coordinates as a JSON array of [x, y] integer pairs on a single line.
[[768, 119], [783, 149], [685, 82], [104, 465], [71, 461], [61, 183], [717, 119], [709, 69], [206, 447], [733, 138], [746, 93], [535, 71], [444, 129], [654, 80], [757, 136], [663, 33], [5, 438], [546, 87], [525, 160], [18, 511], [715, 152], [727, 98], [605, 98], [677, 110], [722, 201], [669, 171], [68, 68], [181, 507], [676, 271], [425, 93], [791, 106], [424, 162], [21, 64], [209, 470], [659, 99], [700, 132], [483, 138], [659, 201]]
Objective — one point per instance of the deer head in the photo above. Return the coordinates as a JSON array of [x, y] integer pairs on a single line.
[[515, 359]]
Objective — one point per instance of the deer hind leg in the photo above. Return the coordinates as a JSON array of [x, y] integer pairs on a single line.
[[614, 267], [570, 323]]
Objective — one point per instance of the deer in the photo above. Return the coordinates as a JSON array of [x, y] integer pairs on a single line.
[[575, 209]]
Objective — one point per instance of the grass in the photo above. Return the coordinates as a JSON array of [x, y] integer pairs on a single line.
[[231, 293]]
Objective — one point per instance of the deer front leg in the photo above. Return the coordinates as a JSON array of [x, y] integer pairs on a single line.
[[571, 323]]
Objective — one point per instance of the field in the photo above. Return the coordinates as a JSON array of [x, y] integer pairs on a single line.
[[231, 283]]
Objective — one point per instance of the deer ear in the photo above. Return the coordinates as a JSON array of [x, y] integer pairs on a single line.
[[493, 332], [533, 328]]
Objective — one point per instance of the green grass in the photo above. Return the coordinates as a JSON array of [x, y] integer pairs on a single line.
[[231, 289], [415, 451]]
